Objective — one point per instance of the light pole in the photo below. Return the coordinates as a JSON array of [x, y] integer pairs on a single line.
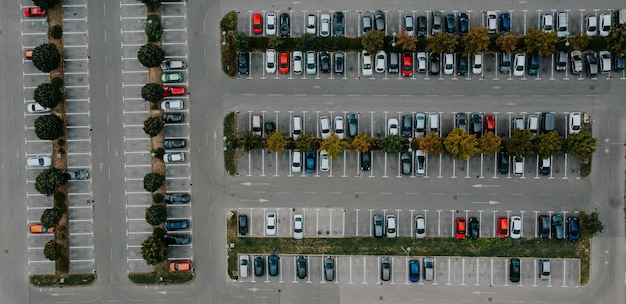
[[224, 38], [566, 41], [393, 42]]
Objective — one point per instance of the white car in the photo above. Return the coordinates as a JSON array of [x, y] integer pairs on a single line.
[[174, 157], [310, 63], [325, 127], [298, 226], [574, 122], [339, 129], [391, 226], [547, 23], [421, 62], [324, 161], [35, 107], [518, 165], [325, 25], [516, 227], [520, 65], [605, 25], [605, 61], [562, 25], [297, 62], [39, 161], [270, 221], [367, 64], [296, 161], [448, 63], [477, 65], [311, 24], [380, 62], [420, 162], [172, 104], [492, 22], [392, 126], [270, 27], [591, 25], [420, 226], [270, 61], [244, 265]]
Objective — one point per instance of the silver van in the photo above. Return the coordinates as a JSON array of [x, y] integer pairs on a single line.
[[532, 123], [544, 269], [257, 123], [505, 63], [433, 119], [366, 24], [393, 64], [547, 122], [429, 268], [297, 127]]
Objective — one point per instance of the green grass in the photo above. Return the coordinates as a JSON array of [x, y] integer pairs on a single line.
[[151, 278], [230, 131], [51, 280]]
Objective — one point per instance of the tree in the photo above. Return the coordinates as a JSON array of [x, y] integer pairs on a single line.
[[153, 181], [156, 214], [581, 144], [153, 126], [333, 145], [47, 95], [154, 250], [49, 127], [152, 92], [275, 42], [46, 4], [548, 144], [53, 250], [49, 180], [519, 145], [241, 41], [249, 141], [362, 142], [580, 42], [391, 143], [373, 41], [150, 55], [443, 43], [152, 4], [460, 144], [405, 42], [307, 142], [616, 41], [277, 141], [51, 217], [540, 42], [489, 143], [508, 43], [591, 223], [46, 57], [431, 143], [475, 41], [305, 42], [153, 28]]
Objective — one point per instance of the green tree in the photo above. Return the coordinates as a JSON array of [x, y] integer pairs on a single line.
[[305, 42], [51, 217], [540, 42], [581, 144], [391, 143], [153, 181], [579, 42], [430, 144], [153, 28], [591, 223], [548, 144], [49, 180], [405, 42], [55, 32], [46, 4], [49, 127], [156, 214], [275, 42], [277, 141], [53, 250], [152, 4], [519, 145], [489, 143], [152, 92], [150, 55], [307, 142], [159, 232], [47, 95], [373, 41], [508, 43], [616, 41], [333, 145], [460, 144], [362, 142], [443, 43], [241, 41], [46, 57], [248, 141], [475, 41], [153, 126], [154, 250]]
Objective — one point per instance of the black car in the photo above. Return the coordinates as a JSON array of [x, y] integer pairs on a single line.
[[339, 24], [270, 127], [176, 198], [406, 163], [544, 226], [324, 62], [243, 63], [366, 161], [514, 270], [434, 64], [450, 24], [301, 267], [474, 228], [591, 63], [353, 124], [463, 23], [407, 125], [379, 20], [503, 163], [284, 25], [422, 26], [259, 266], [177, 239], [339, 59], [533, 64], [272, 264], [243, 224], [462, 66], [176, 143], [573, 229], [173, 118], [329, 269], [477, 124], [81, 174], [461, 121]]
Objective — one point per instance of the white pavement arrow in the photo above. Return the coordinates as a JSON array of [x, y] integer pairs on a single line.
[[489, 202], [251, 200], [478, 292], [255, 184], [485, 186]]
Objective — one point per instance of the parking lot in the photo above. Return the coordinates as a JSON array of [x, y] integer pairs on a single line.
[[137, 142], [34, 33], [455, 271]]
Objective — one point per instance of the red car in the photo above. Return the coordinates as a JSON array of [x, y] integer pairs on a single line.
[[28, 54], [407, 64], [503, 227], [490, 120], [283, 63], [174, 91], [460, 228], [34, 12], [181, 266], [40, 228], [257, 24]]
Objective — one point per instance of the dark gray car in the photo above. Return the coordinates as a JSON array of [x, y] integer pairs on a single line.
[[422, 26], [353, 124], [558, 230], [81, 174], [406, 163], [544, 226], [385, 269], [379, 20], [177, 239], [407, 126], [379, 225], [175, 143], [505, 63], [339, 24], [461, 121], [301, 267], [272, 264], [339, 63], [503, 163], [329, 269], [477, 124], [259, 266], [366, 160], [176, 198], [243, 64]]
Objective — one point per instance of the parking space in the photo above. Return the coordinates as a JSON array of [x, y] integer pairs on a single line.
[[137, 143]]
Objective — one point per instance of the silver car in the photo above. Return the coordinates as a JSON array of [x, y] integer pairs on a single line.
[[311, 68]]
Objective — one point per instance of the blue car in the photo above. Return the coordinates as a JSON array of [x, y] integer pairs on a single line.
[[573, 229], [172, 225], [272, 264], [310, 162], [505, 23], [414, 271], [463, 23]]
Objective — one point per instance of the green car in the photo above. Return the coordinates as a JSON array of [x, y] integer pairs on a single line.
[[172, 77]]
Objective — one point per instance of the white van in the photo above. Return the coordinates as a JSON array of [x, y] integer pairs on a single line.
[[533, 123], [296, 161], [311, 27], [574, 122], [257, 123], [433, 119], [544, 269], [297, 127]]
